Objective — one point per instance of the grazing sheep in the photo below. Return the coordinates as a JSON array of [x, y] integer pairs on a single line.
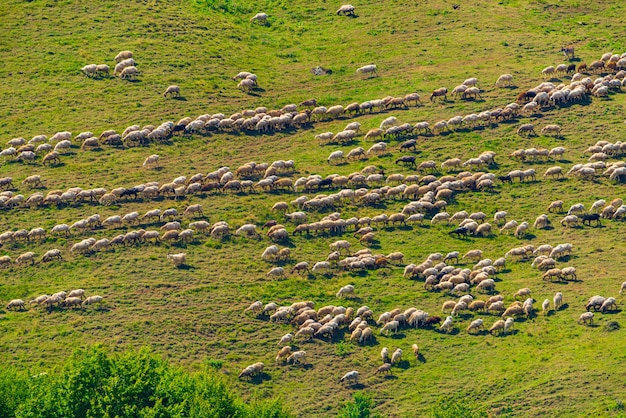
[[504, 80], [252, 370], [51, 254], [172, 90], [585, 318], [152, 160], [346, 9], [285, 339], [439, 93], [92, 300], [123, 55], [447, 325], [350, 376], [296, 357], [345, 290], [526, 128], [497, 326], [396, 357], [178, 259], [475, 325], [385, 368], [276, 272], [16, 304], [260, 18], [551, 129], [367, 69], [609, 304], [129, 73]]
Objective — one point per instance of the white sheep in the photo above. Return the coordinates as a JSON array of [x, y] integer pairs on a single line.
[[16, 304], [335, 156], [346, 9], [447, 325], [178, 259], [585, 318], [172, 90], [260, 18], [92, 300], [351, 376], [504, 80], [476, 325], [367, 69], [123, 55], [276, 272], [152, 160], [345, 291], [89, 70], [129, 73]]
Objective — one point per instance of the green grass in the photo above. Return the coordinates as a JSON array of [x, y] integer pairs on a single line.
[[194, 316]]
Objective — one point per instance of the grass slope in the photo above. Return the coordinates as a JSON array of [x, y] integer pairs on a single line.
[[549, 365]]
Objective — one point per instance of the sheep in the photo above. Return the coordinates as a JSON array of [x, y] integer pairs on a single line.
[[520, 231], [276, 272], [541, 222], [51, 254], [504, 80], [192, 210], [25, 257], [367, 69], [296, 357], [16, 304], [179, 259], [396, 357], [475, 325], [129, 73], [472, 255], [172, 90], [555, 205], [89, 70], [497, 326], [585, 318], [260, 18], [551, 129], [92, 300], [570, 220], [391, 326], [385, 368], [152, 160], [526, 128], [608, 304], [335, 156], [345, 291], [252, 370], [442, 91], [123, 55], [51, 157], [447, 325], [351, 376], [346, 9]]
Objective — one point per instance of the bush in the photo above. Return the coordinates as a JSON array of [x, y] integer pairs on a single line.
[[360, 408], [94, 384]]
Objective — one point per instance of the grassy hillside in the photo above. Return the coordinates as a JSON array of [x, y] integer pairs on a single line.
[[549, 365]]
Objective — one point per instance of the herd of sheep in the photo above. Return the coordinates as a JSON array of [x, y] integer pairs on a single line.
[[427, 196]]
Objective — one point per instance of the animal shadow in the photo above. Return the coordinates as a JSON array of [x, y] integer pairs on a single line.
[[260, 378], [180, 98]]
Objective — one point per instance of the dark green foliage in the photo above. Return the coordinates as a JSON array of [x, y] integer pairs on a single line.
[[94, 384], [359, 408]]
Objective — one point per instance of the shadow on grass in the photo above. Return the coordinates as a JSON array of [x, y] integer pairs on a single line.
[[180, 98], [185, 267], [404, 365], [260, 378]]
